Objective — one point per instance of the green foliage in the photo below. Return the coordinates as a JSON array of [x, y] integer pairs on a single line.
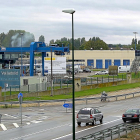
[[80, 44], [13, 38], [83, 93], [41, 38]]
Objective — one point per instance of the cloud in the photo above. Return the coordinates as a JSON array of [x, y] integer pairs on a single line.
[[112, 21]]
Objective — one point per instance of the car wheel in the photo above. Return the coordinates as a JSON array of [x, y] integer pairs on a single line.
[[124, 120], [94, 122], [87, 123], [79, 123], [101, 121]]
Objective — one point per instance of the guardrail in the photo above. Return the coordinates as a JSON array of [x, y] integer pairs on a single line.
[[68, 100], [109, 132]]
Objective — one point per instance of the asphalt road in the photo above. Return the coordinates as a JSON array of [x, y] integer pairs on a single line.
[[54, 123]]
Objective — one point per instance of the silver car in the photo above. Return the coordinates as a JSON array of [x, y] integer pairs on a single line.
[[89, 115], [103, 72]]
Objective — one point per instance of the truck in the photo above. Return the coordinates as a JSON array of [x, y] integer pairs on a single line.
[[123, 69]]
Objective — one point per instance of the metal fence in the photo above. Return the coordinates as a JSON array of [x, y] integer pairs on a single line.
[[86, 100], [59, 83], [110, 132]]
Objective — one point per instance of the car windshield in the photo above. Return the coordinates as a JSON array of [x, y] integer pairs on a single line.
[[84, 112], [131, 111]]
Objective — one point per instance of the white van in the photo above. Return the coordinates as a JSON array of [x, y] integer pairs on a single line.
[[123, 69]]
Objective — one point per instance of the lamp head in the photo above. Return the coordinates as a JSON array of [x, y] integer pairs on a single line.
[[135, 32], [70, 11]]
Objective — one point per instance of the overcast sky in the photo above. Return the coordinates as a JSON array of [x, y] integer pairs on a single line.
[[113, 21]]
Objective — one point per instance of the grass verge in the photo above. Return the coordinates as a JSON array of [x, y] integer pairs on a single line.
[[84, 93]]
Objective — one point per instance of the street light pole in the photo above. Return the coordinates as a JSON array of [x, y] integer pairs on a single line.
[[135, 38], [21, 54], [71, 11]]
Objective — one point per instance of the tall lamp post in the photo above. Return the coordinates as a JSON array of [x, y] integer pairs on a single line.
[[21, 54], [135, 38], [72, 11]]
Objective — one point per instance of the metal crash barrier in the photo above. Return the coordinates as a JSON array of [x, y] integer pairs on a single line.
[[109, 132]]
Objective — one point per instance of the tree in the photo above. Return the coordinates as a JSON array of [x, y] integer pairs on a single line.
[[13, 38], [51, 42], [83, 40], [41, 38], [133, 41]]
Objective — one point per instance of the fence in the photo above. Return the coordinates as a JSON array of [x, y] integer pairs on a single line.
[[87, 83], [110, 132], [86, 100]]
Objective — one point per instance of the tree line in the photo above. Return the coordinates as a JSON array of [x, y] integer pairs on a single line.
[[13, 39]]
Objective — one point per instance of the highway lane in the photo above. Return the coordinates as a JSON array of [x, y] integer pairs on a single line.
[[59, 123]]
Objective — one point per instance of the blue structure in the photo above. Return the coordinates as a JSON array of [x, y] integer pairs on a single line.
[[117, 62], [37, 47], [90, 62], [126, 62], [99, 63], [107, 63], [10, 77]]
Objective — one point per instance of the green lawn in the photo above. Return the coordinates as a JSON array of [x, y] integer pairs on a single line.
[[119, 76], [84, 93]]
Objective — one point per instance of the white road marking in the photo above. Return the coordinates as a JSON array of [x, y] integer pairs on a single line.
[[3, 127], [117, 116], [42, 131], [42, 118], [16, 125], [10, 116], [34, 121], [85, 129], [39, 132]]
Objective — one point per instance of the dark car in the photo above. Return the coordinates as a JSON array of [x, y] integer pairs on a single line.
[[131, 115], [89, 115], [86, 70]]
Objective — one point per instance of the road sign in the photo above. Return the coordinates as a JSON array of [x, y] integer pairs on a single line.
[[20, 94], [68, 105]]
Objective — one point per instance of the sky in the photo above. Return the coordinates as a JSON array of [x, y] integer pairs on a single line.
[[113, 21]]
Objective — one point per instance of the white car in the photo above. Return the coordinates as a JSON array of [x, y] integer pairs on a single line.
[[103, 72], [80, 70]]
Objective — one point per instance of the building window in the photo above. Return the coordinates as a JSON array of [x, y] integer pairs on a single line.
[[14, 55], [7, 56], [25, 82], [0, 56]]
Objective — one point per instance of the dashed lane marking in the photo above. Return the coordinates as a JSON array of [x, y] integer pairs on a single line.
[[34, 121], [10, 116], [3, 127], [16, 125]]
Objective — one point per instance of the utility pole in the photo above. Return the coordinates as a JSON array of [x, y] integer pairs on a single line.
[[51, 75], [135, 38]]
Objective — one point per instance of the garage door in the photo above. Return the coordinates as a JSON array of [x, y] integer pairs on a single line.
[[90, 62], [107, 63], [117, 62], [126, 62], [99, 63]]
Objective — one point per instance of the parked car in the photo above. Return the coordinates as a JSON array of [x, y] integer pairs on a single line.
[[86, 70], [103, 72], [89, 115], [131, 115], [80, 70], [69, 71]]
